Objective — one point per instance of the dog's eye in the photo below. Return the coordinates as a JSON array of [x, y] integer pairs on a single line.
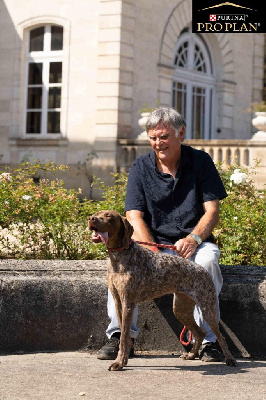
[[107, 215]]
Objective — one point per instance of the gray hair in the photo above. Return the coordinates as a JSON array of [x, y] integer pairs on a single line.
[[166, 115]]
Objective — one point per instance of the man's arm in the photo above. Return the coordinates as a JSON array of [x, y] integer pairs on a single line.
[[187, 246], [141, 231]]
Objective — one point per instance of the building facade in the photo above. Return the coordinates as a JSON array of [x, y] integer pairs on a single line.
[[76, 74]]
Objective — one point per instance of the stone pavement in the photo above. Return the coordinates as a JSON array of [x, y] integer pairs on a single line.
[[79, 375]]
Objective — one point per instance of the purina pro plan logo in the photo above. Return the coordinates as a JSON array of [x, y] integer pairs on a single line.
[[245, 16]]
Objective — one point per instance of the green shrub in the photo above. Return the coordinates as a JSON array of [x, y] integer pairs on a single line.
[[240, 233], [47, 221]]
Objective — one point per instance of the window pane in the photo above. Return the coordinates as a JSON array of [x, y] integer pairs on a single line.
[[198, 112], [36, 39], [55, 75], [34, 97], [57, 38], [33, 122], [35, 74], [199, 60], [53, 125], [181, 58], [54, 98], [180, 97]]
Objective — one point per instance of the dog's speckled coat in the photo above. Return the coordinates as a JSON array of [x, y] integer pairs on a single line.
[[136, 274]]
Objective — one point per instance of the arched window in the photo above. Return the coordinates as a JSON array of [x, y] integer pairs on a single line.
[[44, 80], [193, 85]]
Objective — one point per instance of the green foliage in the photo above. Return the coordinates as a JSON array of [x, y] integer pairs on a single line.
[[257, 107], [240, 233], [47, 221], [113, 197]]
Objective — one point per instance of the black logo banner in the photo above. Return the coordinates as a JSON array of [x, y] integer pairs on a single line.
[[236, 16]]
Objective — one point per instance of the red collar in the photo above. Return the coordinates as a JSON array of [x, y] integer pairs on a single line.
[[110, 249]]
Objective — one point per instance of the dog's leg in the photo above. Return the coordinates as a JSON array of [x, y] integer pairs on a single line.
[[118, 305], [209, 315], [183, 307], [125, 340]]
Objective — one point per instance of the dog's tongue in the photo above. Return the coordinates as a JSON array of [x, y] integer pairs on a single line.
[[103, 236]]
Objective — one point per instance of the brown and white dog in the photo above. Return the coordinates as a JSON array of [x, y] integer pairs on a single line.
[[136, 274]]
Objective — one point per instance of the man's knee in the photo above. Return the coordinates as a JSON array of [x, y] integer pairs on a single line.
[[208, 262], [207, 255]]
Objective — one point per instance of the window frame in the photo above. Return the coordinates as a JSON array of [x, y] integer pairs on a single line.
[[45, 57], [195, 79]]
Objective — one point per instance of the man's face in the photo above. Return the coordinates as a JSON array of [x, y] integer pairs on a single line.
[[165, 143]]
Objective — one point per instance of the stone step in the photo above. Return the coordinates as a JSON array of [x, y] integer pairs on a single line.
[[58, 305]]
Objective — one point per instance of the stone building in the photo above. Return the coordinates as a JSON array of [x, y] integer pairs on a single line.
[[75, 74]]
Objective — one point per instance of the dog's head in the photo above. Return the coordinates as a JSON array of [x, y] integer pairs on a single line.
[[110, 228]]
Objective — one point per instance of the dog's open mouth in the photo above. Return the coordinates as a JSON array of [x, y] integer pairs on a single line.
[[98, 237], [103, 236]]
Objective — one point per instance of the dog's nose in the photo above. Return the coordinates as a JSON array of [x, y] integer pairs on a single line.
[[92, 219]]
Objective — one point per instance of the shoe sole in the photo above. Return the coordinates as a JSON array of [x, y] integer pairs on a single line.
[[210, 359], [105, 357]]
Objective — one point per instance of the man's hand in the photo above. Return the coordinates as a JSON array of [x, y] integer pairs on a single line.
[[186, 247]]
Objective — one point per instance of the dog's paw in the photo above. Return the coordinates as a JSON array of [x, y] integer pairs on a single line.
[[231, 362], [116, 366], [188, 356]]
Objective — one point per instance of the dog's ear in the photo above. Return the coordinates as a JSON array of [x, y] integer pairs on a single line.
[[127, 233]]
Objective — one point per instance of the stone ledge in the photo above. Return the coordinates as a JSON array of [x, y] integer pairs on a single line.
[[61, 305], [55, 141]]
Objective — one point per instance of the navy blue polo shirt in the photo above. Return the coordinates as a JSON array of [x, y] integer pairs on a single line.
[[172, 207]]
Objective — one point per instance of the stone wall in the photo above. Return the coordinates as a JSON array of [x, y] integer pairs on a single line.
[[61, 305]]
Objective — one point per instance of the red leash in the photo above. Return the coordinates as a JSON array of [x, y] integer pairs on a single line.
[[165, 246], [172, 247], [182, 334]]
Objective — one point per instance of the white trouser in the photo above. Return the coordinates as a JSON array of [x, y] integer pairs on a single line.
[[207, 255]]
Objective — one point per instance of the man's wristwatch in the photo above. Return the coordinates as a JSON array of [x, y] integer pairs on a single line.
[[196, 238]]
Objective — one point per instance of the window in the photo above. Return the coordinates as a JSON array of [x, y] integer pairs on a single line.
[[44, 80], [193, 85]]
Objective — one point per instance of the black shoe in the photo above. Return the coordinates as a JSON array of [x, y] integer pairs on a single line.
[[211, 352], [110, 350]]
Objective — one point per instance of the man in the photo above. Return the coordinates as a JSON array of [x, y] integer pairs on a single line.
[[173, 197]]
